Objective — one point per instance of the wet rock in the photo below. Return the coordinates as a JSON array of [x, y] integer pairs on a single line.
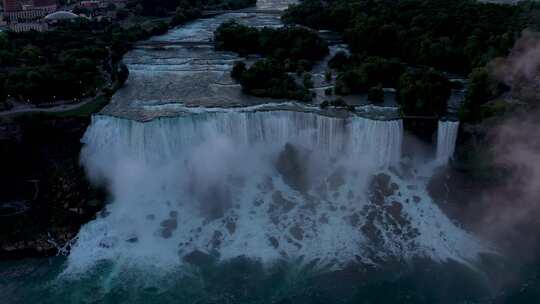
[[95, 203], [297, 232], [280, 204], [168, 226], [171, 224], [371, 232], [267, 185], [274, 242], [322, 190], [274, 219], [311, 203], [258, 202], [354, 220], [237, 181], [216, 201], [133, 239], [230, 224], [217, 239], [394, 208], [381, 188], [381, 182], [198, 258], [396, 172], [165, 233], [293, 171], [292, 242], [336, 179], [108, 242], [74, 210]]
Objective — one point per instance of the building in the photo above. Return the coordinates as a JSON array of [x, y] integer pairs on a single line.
[[60, 16], [12, 6], [90, 4], [27, 26], [46, 5], [23, 16], [2, 21]]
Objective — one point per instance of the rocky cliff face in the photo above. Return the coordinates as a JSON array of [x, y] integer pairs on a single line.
[[44, 196]]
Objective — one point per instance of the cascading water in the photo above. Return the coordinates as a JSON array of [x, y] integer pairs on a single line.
[[267, 185], [446, 140], [199, 173], [163, 139]]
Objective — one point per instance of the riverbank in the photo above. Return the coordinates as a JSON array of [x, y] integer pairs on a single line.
[[47, 196], [40, 169]]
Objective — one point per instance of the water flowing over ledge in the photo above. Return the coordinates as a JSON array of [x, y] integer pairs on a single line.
[[447, 133], [164, 139], [199, 171], [266, 185]]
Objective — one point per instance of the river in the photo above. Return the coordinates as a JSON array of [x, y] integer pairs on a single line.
[[218, 197]]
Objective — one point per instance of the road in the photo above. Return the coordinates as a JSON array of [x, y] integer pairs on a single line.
[[22, 109]]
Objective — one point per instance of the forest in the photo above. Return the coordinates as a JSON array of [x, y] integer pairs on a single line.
[[286, 50], [459, 37], [77, 58]]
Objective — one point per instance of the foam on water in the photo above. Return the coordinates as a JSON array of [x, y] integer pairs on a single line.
[[230, 184]]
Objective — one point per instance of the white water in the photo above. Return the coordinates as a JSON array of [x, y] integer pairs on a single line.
[[163, 139], [446, 140], [209, 182]]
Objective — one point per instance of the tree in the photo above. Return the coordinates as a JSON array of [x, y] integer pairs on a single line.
[[308, 81], [339, 61], [3, 91], [453, 35], [423, 92], [482, 88], [267, 78], [376, 94], [328, 76], [31, 54], [295, 47], [238, 70], [122, 73], [122, 14]]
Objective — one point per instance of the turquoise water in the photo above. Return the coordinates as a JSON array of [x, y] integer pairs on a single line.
[[243, 280]]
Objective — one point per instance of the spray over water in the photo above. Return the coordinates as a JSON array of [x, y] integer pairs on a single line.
[[265, 185]]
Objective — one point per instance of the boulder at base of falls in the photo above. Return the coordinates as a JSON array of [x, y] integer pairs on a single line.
[[381, 187], [291, 168], [198, 258]]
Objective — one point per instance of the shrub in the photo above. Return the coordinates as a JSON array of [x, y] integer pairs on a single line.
[[376, 94], [238, 70]]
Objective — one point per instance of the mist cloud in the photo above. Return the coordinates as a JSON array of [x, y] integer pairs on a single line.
[[511, 212], [521, 69]]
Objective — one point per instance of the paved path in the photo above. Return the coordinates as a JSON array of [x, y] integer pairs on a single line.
[[246, 10], [54, 109]]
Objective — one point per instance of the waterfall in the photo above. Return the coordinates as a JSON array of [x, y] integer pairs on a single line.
[[165, 138], [446, 140], [262, 184]]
